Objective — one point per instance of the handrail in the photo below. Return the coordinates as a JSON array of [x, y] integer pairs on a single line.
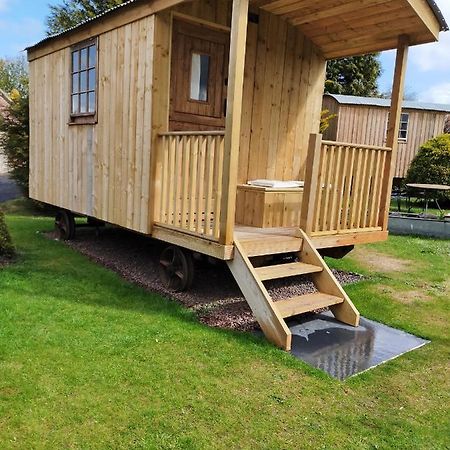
[[193, 133]]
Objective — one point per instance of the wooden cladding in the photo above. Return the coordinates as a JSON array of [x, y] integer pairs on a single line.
[[100, 170], [190, 174], [283, 85], [346, 195]]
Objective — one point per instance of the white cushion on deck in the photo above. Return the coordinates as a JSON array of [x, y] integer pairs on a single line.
[[276, 183]]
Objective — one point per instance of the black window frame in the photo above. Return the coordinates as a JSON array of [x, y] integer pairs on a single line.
[[403, 130], [88, 117]]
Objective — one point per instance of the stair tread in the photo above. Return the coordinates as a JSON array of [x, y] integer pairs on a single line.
[[273, 246], [286, 270], [306, 303]]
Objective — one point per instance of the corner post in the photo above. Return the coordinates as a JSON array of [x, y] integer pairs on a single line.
[[393, 128], [233, 120], [311, 181]]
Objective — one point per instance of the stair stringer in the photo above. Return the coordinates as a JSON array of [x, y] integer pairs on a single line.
[[327, 283], [262, 306]]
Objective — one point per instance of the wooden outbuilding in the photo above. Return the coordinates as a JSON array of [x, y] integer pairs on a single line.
[[364, 120], [156, 115]]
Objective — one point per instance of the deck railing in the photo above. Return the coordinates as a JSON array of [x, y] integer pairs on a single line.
[[343, 187], [190, 172]]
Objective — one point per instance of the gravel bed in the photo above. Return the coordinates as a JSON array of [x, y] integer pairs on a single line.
[[214, 296]]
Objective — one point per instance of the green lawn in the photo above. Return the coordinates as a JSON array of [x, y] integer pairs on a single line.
[[88, 360]]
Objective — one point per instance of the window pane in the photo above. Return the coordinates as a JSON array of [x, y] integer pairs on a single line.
[[199, 77], [83, 103], [83, 82], [92, 105], [83, 59], [75, 61], [75, 104], [92, 80], [92, 56], [75, 83]]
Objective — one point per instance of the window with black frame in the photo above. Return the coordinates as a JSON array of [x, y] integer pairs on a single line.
[[403, 131], [84, 80]]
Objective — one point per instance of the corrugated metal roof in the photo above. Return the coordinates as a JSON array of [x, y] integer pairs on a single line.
[[385, 103], [439, 16], [109, 11]]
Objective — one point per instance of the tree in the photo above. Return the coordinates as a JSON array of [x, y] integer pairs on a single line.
[[14, 139], [72, 12], [14, 75], [357, 75]]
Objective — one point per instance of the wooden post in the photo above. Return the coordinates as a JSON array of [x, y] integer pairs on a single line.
[[160, 108], [393, 128], [233, 120], [311, 180]]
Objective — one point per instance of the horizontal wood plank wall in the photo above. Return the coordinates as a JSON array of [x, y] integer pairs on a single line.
[[367, 125], [283, 88], [100, 170]]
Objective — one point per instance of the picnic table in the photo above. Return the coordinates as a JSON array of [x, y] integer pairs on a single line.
[[428, 190]]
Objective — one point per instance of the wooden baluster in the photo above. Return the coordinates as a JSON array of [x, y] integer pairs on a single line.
[[210, 149], [193, 148], [185, 180], [218, 194], [346, 205], [201, 184], [311, 182]]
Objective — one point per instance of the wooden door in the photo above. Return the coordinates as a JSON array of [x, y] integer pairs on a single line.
[[198, 78]]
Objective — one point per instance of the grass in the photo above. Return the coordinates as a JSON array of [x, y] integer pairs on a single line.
[[90, 361]]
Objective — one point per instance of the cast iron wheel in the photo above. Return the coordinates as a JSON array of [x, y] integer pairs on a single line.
[[65, 225], [176, 268]]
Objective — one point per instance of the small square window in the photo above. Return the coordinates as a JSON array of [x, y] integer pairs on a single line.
[[84, 81]]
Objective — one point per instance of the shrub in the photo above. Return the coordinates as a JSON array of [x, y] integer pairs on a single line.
[[6, 246], [15, 140], [432, 162], [325, 118]]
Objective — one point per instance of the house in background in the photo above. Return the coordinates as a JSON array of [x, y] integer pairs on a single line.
[[364, 120], [4, 103]]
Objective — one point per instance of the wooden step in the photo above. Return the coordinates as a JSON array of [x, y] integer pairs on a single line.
[[305, 303], [274, 246], [286, 270]]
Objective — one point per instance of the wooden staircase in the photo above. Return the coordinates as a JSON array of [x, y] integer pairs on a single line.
[[271, 314]]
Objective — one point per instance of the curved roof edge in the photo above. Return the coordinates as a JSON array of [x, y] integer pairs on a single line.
[[386, 103], [439, 16]]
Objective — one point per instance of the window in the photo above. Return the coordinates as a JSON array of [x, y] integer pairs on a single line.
[[403, 131], [84, 80], [199, 77]]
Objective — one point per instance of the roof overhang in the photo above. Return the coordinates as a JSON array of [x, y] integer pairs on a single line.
[[341, 28], [127, 12]]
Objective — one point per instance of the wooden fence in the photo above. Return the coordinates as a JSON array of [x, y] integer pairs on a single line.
[[190, 173], [343, 187]]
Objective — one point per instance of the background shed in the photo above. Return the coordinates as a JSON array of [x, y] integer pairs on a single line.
[[363, 120]]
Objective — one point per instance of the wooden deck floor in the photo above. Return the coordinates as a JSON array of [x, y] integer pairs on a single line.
[[267, 241]]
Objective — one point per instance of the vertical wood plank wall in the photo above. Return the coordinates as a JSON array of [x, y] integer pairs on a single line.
[[283, 87], [104, 170], [367, 126], [100, 170]]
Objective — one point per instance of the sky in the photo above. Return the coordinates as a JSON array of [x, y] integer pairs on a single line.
[[22, 23]]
